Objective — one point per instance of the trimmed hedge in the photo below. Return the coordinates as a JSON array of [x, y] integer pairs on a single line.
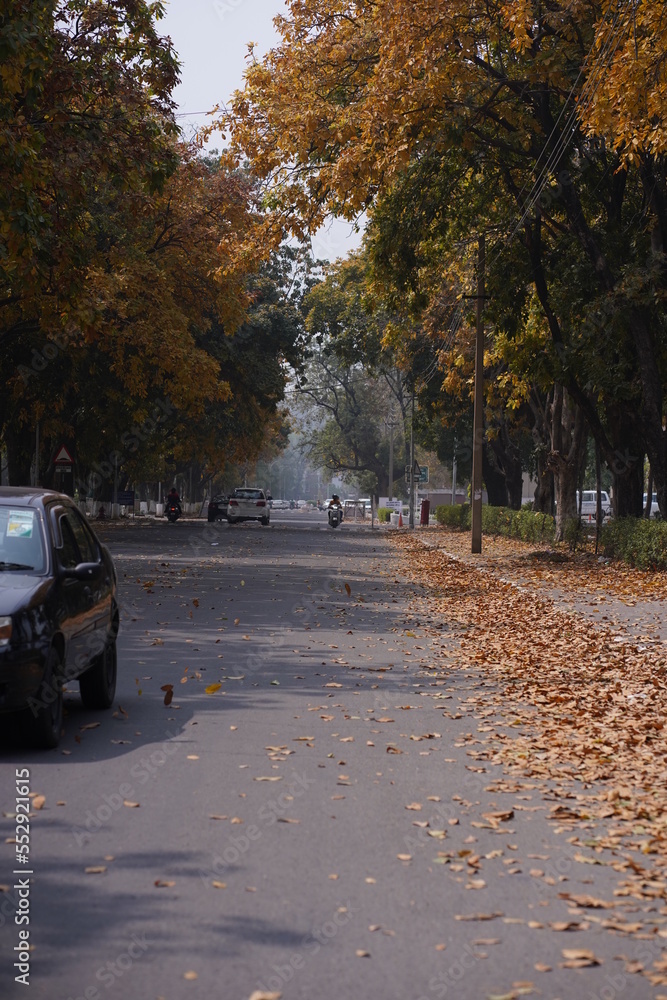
[[636, 541], [524, 524], [384, 514], [455, 515]]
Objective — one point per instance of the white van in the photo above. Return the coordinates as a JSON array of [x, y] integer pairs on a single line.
[[589, 503]]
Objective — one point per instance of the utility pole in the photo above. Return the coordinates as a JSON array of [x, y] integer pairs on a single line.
[[37, 482], [411, 519], [478, 418], [390, 424]]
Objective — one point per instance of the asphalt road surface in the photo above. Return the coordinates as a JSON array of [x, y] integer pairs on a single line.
[[307, 817]]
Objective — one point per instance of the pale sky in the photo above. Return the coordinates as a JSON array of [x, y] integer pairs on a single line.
[[211, 38]]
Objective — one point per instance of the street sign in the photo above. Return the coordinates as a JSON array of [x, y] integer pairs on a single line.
[[423, 474], [63, 457], [415, 474]]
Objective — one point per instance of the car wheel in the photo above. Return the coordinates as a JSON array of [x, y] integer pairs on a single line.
[[265, 519], [211, 517], [98, 684], [45, 719]]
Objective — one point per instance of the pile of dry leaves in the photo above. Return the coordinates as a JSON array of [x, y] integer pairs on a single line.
[[584, 704]]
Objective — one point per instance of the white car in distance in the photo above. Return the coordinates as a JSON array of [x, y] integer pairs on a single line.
[[248, 503]]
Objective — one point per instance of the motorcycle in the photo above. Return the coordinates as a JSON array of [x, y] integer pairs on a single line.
[[173, 511], [335, 516]]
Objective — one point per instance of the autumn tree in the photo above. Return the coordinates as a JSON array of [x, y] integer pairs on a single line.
[[132, 304], [351, 388], [499, 100]]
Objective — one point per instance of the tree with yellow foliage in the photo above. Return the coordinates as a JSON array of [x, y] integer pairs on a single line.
[[535, 116]]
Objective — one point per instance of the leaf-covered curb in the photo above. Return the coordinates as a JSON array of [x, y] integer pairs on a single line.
[[588, 705]]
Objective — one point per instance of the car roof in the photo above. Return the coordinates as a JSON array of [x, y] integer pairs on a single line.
[[31, 496]]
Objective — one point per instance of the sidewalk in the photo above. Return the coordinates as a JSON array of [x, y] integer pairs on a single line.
[[631, 602], [573, 655]]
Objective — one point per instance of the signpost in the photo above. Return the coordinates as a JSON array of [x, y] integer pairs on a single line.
[[64, 464], [63, 457], [412, 475]]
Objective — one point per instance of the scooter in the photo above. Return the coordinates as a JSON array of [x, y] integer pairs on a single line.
[[335, 516], [173, 511]]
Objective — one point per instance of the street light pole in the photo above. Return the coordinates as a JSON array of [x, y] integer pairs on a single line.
[[478, 417]]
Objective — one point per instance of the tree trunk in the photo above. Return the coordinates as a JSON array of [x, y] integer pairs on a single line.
[[568, 450], [540, 432], [626, 462], [494, 480], [508, 461], [20, 444], [655, 435]]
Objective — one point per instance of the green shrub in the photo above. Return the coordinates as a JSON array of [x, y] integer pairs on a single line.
[[528, 525], [573, 532], [636, 541], [454, 515], [384, 514]]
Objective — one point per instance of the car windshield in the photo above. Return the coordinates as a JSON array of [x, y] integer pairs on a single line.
[[249, 494], [21, 545]]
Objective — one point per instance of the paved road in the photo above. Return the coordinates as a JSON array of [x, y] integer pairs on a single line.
[[313, 826]]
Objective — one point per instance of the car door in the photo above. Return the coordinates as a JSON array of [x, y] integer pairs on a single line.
[[82, 603], [72, 597], [100, 586]]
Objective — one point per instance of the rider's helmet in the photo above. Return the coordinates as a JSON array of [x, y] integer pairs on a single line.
[[336, 497]]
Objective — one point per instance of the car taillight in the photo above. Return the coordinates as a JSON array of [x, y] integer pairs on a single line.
[[261, 503], [233, 503], [5, 631]]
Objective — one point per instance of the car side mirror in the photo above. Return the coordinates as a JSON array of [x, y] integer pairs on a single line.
[[86, 571]]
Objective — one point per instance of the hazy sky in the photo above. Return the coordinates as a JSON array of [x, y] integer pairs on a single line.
[[211, 38]]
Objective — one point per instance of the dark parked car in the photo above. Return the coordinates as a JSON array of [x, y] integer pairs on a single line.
[[217, 507], [58, 611]]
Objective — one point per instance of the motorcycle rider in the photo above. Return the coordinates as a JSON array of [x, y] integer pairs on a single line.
[[173, 497], [333, 504]]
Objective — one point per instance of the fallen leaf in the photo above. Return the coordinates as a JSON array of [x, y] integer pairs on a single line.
[[38, 801], [578, 958], [95, 870], [163, 883], [212, 688]]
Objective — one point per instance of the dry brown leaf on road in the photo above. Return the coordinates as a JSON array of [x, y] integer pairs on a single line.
[[579, 958]]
